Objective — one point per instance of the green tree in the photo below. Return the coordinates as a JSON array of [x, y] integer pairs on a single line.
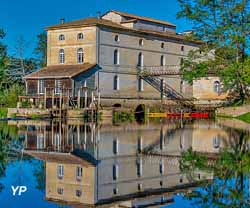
[[41, 49], [230, 170], [224, 28], [3, 57]]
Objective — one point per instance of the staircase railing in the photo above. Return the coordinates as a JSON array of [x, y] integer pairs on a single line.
[[165, 89]]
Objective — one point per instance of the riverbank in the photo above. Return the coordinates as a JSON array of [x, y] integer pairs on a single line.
[[236, 112]]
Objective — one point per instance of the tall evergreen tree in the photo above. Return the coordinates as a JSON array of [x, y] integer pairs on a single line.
[[41, 49], [224, 27], [3, 57]]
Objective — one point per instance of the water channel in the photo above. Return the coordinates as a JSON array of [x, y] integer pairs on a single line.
[[170, 163]]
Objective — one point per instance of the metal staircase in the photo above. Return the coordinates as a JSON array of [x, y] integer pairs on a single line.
[[166, 90]]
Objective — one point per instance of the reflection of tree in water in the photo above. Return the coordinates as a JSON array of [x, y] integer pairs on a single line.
[[7, 141], [231, 173], [39, 174]]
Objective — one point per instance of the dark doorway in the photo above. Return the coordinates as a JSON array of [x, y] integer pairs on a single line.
[[140, 113], [117, 105]]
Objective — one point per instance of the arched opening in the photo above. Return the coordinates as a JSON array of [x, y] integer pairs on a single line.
[[117, 105], [140, 113]]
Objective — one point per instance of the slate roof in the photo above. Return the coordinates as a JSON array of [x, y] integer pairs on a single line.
[[60, 71]]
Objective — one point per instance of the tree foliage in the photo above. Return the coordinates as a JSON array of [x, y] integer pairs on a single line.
[[41, 49], [224, 28]]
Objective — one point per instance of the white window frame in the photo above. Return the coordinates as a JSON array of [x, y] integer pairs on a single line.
[[140, 59], [79, 172], [116, 83], [61, 56], [115, 172], [116, 57], [217, 87], [61, 37], [58, 86], [117, 38], [41, 91], [60, 171], [80, 56], [115, 146], [141, 42], [140, 85], [80, 36], [163, 60]]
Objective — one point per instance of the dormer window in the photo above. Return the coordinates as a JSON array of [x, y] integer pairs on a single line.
[[61, 37], [141, 42], [80, 36], [117, 39]]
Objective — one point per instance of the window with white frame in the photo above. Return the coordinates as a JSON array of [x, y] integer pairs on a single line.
[[61, 56], [217, 87], [115, 146], [116, 84], [161, 167], [80, 36], [162, 45], [41, 88], [182, 48], [117, 39], [182, 86], [140, 85], [61, 37], [140, 59], [116, 57], [80, 56], [163, 60], [60, 171], [216, 142], [60, 191], [78, 193], [58, 86], [115, 172], [141, 42], [78, 172], [139, 167]]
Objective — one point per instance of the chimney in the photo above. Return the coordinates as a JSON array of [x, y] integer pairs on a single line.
[[62, 20], [98, 15]]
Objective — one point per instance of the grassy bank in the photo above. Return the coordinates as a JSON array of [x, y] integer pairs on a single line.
[[244, 117]]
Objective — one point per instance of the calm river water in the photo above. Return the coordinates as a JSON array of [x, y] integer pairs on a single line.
[[201, 163]]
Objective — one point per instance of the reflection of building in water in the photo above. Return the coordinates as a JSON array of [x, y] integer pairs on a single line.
[[91, 165]]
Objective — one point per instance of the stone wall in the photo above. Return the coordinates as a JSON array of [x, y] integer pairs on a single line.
[[71, 44], [233, 111]]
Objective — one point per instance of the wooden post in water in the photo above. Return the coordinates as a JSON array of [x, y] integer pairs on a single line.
[[45, 97], [53, 98], [79, 98], [60, 105], [85, 98]]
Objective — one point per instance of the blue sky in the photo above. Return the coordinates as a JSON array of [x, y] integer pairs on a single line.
[[30, 17]]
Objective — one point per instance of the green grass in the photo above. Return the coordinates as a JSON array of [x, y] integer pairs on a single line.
[[244, 117], [3, 112]]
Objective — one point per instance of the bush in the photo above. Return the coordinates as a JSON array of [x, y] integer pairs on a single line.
[[9, 97], [3, 112]]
